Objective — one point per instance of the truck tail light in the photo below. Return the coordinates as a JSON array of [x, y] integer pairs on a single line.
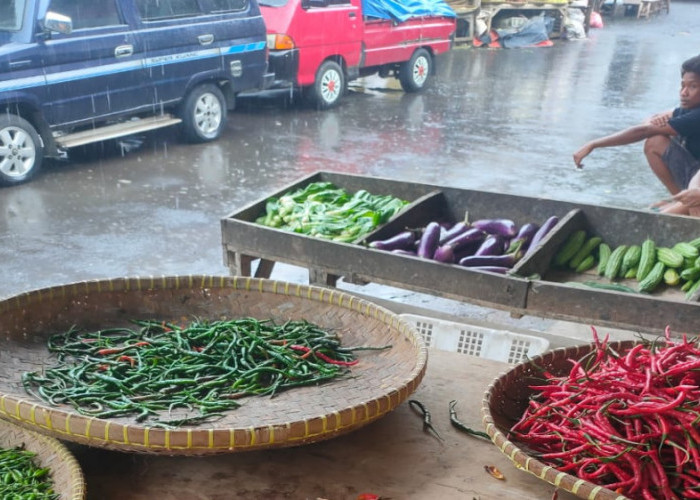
[[278, 41]]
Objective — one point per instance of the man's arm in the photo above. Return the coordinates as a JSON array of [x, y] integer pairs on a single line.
[[656, 125]]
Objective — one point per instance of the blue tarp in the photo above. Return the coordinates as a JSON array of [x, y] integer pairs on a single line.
[[534, 31], [405, 9]]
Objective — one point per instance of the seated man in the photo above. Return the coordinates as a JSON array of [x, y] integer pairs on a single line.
[[672, 145]]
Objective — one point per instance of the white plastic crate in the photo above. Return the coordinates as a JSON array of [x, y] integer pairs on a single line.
[[489, 343]]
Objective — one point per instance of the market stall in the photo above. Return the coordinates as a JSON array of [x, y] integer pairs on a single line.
[[534, 287]]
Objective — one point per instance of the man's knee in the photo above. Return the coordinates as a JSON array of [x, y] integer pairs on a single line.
[[656, 145]]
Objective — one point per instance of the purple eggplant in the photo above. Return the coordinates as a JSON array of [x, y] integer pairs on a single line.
[[522, 239], [471, 235], [429, 241], [542, 232], [452, 232], [403, 241], [444, 253], [505, 260], [502, 227], [492, 245]]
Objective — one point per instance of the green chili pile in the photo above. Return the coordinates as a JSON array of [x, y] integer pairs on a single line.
[[325, 211], [22, 478], [624, 420], [201, 369]]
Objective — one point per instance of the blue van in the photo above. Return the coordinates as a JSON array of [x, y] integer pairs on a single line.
[[74, 72]]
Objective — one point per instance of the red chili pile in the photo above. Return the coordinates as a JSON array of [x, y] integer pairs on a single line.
[[624, 420]]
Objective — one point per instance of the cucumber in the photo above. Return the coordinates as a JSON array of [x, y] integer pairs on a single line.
[[669, 257], [604, 252], [691, 273], [647, 258], [630, 259], [653, 279], [691, 291], [572, 245], [586, 264], [686, 250], [588, 247], [671, 277], [612, 268]]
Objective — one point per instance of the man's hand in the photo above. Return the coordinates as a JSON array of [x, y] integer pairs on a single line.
[[689, 197], [581, 154], [660, 119]]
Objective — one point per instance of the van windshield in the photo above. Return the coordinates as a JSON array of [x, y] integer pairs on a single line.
[[273, 3], [11, 13]]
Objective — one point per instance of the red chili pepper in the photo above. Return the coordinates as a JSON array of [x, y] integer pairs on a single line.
[[129, 359], [140, 344], [332, 361], [628, 421], [112, 350]]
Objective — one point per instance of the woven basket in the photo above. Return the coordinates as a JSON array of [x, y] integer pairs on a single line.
[[380, 382], [68, 480], [505, 402]]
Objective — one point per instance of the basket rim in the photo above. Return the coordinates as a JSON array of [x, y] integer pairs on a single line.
[[73, 426], [522, 460], [70, 464]]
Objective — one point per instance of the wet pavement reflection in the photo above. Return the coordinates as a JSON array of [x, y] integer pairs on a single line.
[[505, 120]]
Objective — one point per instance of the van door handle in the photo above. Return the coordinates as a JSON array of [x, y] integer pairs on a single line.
[[352, 15], [20, 64], [124, 51], [205, 39]]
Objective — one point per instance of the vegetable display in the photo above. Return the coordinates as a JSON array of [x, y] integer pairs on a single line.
[[649, 263], [493, 245], [200, 369], [323, 210], [21, 477], [624, 420]]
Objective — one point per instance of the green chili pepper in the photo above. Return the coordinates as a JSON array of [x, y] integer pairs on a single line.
[[201, 368]]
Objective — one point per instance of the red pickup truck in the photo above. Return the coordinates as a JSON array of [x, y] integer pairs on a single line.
[[317, 46]]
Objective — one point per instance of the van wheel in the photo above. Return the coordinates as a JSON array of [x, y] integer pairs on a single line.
[[21, 150], [414, 74], [328, 87], [204, 113]]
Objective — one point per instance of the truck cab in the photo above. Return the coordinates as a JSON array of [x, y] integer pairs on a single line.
[[74, 72], [317, 46]]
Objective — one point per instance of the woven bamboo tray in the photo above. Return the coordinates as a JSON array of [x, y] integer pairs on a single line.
[[505, 401], [68, 480], [379, 383]]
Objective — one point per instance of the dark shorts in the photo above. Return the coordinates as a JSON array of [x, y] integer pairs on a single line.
[[682, 165]]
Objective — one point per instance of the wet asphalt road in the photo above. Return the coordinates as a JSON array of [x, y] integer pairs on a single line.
[[497, 120]]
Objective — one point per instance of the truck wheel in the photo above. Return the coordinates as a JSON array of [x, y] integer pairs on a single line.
[[21, 150], [328, 87], [414, 74], [204, 113]]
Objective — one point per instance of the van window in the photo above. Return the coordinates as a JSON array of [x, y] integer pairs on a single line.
[[163, 9], [227, 5], [88, 13], [11, 15]]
